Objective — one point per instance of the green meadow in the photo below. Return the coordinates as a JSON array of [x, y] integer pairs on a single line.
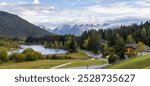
[[142, 62]]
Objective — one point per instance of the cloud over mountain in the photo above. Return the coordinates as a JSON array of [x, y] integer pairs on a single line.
[[36, 2], [53, 13]]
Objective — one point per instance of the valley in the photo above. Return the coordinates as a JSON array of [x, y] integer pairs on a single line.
[[84, 46]]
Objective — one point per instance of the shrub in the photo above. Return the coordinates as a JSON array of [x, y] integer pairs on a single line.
[[48, 57], [28, 50], [54, 57], [3, 55], [39, 55], [112, 58], [1, 62], [70, 50], [67, 57], [32, 55], [18, 57], [131, 54]]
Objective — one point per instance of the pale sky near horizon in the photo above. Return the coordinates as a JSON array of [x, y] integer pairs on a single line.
[[52, 13]]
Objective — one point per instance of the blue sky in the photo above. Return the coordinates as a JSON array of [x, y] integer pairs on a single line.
[[52, 13]]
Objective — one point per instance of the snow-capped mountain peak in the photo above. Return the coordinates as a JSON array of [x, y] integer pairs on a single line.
[[77, 29]]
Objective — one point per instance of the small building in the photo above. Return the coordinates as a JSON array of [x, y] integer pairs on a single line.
[[130, 47]]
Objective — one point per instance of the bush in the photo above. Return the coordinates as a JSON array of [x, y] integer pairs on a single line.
[[1, 62], [112, 58], [55, 57], [32, 55], [18, 57], [70, 51], [28, 50], [39, 55], [48, 57], [67, 57], [3, 55], [131, 54]]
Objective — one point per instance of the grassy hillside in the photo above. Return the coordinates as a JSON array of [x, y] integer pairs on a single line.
[[135, 63]]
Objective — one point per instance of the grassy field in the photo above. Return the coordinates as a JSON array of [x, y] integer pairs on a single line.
[[79, 59], [40, 64], [47, 64], [85, 63], [78, 55], [135, 63]]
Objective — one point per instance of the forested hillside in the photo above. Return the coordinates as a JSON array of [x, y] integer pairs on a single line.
[[114, 41], [14, 26]]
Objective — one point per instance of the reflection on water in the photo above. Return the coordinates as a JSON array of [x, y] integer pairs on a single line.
[[41, 49]]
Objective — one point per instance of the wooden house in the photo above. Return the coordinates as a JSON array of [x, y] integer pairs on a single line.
[[130, 47]]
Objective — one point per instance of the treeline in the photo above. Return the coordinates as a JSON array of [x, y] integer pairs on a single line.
[[115, 40], [140, 33], [110, 42], [27, 55], [68, 42], [9, 44]]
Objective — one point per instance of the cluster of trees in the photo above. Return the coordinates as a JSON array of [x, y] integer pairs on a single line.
[[110, 42], [115, 39], [9, 44], [68, 42], [91, 41], [26, 55], [3, 55]]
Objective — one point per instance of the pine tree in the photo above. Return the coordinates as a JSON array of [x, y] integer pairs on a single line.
[[130, 39], [143, 37], [94, 42], [105, 50], [73, 45], [120, 47]]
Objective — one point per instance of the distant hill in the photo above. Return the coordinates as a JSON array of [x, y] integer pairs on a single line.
[[13, 26]]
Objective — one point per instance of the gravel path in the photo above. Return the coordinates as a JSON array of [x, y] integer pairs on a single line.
[[56, 67], [93, 56], [99, 56], [92, 67]]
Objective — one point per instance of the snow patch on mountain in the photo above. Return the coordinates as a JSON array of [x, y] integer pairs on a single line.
[[78, 29]]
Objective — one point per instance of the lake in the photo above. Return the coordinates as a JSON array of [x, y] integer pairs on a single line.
[[41, 49]]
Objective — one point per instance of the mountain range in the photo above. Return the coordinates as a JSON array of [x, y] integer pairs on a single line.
[[14, 26], [78, 29]]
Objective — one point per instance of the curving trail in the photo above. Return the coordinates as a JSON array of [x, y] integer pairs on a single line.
[[99, 56], [92, 67], [93, 56], [56, 67]]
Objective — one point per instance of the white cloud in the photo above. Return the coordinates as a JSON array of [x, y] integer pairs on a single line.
[[36, 2], [3, 3], [53, 16]]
